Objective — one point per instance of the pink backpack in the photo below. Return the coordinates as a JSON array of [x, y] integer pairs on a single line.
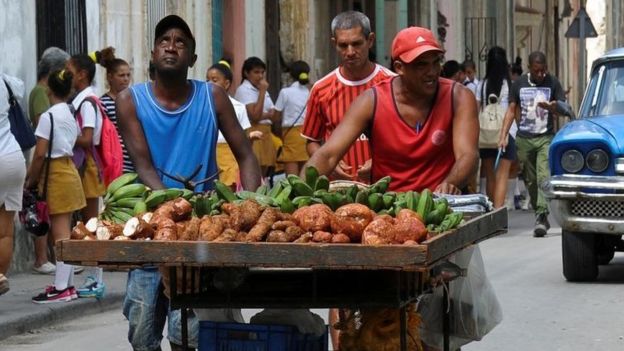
[[108, 155]]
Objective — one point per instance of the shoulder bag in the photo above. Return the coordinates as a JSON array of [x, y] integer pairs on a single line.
[[20, 127]]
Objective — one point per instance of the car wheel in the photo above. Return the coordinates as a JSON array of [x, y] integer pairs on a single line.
[[605, 248], [579, 256]]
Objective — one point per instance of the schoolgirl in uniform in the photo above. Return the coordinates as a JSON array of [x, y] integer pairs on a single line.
[[57, 178]]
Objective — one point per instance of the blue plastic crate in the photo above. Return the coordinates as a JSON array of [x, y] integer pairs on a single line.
[[256, 337]]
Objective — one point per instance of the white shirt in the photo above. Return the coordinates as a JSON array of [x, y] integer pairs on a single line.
[[503, 98], [241, 115], [8, 144], [472, 85], [66, 130], [90, 117], [248, 94], [292, 102]]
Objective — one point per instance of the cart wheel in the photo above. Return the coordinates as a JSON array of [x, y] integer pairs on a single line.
[[579, 256]]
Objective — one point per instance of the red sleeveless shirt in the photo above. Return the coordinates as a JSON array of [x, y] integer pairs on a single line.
[[415, 158]]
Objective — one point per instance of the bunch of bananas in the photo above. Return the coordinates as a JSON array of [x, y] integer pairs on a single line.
[[293, 192], [206, 204], [126, 198]]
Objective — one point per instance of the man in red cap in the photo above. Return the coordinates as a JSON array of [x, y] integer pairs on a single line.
[[423, 129]]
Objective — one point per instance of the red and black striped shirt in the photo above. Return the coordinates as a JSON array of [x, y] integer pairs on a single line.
[[329, 100]]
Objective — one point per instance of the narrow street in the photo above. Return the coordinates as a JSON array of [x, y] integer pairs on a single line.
[[541, 310]]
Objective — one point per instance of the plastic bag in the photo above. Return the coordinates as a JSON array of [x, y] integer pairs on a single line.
[[475, 308]]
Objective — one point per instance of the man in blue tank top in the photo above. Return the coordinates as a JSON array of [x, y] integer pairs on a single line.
[[170, 126]]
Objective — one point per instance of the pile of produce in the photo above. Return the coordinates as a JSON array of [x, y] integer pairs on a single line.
[[378, 330], [294, 210]]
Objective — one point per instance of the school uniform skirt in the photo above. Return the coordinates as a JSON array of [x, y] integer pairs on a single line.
[[226, 162], [294, 147], [65, 192], [92, 181], [263, 148]]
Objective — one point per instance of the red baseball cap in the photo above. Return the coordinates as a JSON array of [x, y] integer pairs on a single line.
[[412, 42]]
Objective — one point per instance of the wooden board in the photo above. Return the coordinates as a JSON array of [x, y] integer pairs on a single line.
[[282, 255]]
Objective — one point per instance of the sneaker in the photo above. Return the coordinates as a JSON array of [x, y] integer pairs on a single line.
[[541, 225], [74, 293], [91, 288], [46, 268], [4, 284], [517, 204], [53, 295]]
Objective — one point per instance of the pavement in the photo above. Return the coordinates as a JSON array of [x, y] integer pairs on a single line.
[[19, 315]]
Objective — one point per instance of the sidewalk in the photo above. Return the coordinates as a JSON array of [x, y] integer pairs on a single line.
[[18, 314]]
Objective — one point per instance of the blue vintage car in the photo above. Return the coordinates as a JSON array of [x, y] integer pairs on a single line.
[[586, 187]]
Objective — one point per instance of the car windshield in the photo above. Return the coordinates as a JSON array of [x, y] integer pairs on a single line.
[[605, 93]]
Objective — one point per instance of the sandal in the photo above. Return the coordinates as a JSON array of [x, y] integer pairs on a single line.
[[4, 284]]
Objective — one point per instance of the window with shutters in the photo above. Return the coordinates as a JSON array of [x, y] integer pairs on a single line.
[[62, 23]]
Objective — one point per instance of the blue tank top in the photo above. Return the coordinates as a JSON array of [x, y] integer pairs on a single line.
[[183, 139]]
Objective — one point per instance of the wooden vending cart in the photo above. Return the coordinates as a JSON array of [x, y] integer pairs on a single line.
[[288, 275]]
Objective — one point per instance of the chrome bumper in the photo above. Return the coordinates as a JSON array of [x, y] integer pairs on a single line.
[[577, 210]]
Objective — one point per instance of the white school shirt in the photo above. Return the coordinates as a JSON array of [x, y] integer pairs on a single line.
[[241, 115], [248, 94], [8, 144], [90, 117], [66, 130], [292, 102]]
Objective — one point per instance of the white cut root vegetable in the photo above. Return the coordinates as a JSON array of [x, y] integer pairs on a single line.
[[147, 217], [137, 228], [108, 232], [92, 224], [131, 227]]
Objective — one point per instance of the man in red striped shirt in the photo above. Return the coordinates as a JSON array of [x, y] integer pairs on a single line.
[[332, 95]]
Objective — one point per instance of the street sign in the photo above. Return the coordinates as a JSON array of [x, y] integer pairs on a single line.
[[574, 31]]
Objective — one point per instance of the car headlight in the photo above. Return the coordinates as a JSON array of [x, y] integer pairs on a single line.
[[597, 160], [572, 161]]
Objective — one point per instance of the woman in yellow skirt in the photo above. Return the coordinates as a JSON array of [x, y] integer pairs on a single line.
[[260, 109], [221, 74], [290, 109], [53, 171]]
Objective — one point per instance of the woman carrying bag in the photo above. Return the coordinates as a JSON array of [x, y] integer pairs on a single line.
[[12, 171], [53, 172]]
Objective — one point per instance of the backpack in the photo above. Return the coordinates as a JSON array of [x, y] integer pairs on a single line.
[[108, 155], [490, 122]]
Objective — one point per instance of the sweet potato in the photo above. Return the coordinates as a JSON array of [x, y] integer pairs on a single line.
[[305, 238], [322, 237], [191, 231], [210, 229], [351, 220], [340, 238], [263, 226], [314, 218]]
